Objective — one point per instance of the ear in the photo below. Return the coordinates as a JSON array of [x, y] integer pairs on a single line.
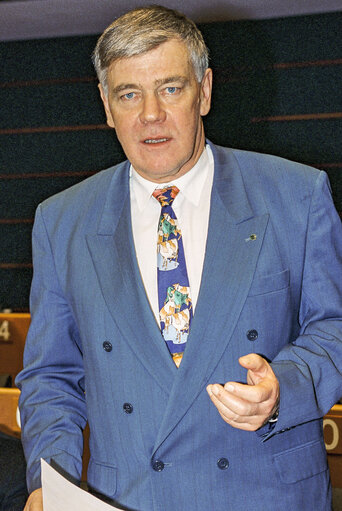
[[205, 91], [105, 102]]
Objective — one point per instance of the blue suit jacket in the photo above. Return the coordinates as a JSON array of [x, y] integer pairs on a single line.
[[94, 351]]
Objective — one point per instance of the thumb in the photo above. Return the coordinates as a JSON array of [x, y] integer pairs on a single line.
[[257, 367]]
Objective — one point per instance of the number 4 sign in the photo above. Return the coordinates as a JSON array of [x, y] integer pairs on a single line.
[[4, 331]]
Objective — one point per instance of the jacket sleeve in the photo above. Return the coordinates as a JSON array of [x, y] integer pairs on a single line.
[[52, 401], [309, 369]]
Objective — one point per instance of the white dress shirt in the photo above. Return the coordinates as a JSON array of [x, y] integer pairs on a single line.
[[191, 207]]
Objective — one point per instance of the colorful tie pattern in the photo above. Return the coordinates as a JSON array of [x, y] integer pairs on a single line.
[[175, 307]]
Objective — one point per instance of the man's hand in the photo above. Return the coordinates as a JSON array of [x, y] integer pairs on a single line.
[[248, 406], [35, 501]]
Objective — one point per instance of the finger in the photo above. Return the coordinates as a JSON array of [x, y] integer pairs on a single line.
[[236, 409], [258, 393], [259, 400], [252, 424], [236, 420], [230, 405]]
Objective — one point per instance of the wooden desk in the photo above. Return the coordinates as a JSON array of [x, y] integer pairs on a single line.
[[9, 414]]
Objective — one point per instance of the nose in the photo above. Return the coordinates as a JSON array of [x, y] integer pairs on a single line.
[[152, 110]]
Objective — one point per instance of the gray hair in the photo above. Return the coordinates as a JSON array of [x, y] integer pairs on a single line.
[[143, 29]]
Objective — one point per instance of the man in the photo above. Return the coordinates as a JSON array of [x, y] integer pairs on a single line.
[[204, 391]]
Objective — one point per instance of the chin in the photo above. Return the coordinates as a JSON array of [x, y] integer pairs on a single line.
[[159, 172]]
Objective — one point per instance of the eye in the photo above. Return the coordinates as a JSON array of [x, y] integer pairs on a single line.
[[172, 90], [128, 95]]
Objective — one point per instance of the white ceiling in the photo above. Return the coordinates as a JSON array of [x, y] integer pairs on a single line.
[[30, 19]]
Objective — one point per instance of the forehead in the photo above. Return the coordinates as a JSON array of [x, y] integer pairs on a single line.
[[168, 59]]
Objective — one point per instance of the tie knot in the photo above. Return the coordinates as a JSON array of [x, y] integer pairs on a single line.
[[166, 196]]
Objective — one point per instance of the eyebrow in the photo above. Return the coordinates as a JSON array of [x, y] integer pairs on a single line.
[[124, 86], [162, 81], [170, 79]]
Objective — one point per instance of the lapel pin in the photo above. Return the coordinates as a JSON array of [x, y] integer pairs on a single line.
[[252, 237]]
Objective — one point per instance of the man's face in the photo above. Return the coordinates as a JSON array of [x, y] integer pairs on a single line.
[[155, 104]]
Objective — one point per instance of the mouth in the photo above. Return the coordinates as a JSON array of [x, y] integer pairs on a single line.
[[155, 140]]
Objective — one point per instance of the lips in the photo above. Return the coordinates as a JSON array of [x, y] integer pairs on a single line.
[[155, 140]]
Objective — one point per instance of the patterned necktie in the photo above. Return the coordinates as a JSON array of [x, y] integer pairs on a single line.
[[175, 307]]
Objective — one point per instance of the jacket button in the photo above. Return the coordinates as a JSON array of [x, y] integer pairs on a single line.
[[158, 466], [252, 335], [107, 346], [128, 408], [223, 463]]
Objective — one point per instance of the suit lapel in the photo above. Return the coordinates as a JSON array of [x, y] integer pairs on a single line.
[[113, 255], [230, 261]]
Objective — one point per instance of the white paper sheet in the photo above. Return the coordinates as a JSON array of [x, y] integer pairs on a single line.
[[59, 494]]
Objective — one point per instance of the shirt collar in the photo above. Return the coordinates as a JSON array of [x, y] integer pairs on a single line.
[[190, 184]]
